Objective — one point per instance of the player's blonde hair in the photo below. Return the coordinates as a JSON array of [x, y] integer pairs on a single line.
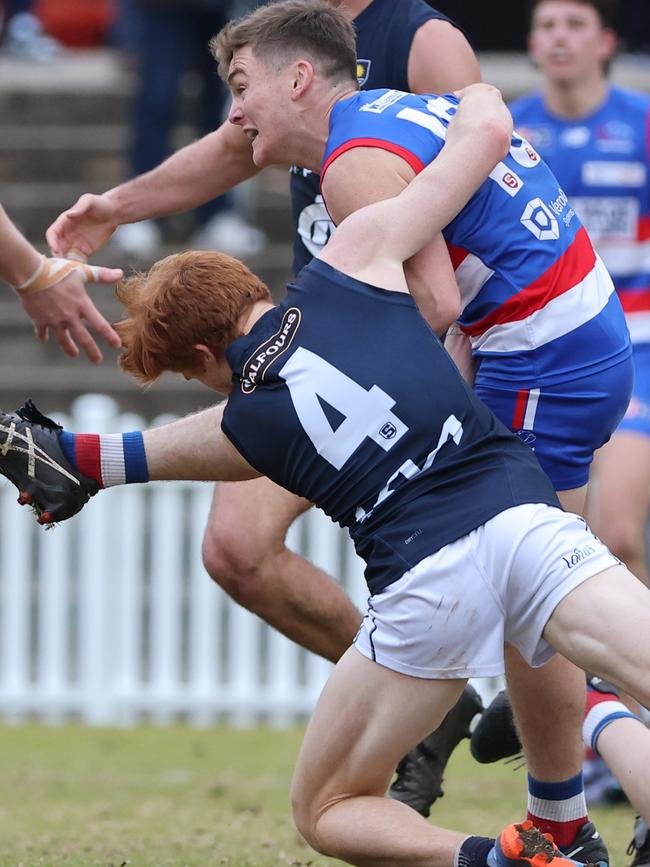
[[185, 299], [277, 31]]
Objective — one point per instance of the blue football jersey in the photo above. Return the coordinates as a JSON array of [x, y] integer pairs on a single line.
[[602, 160], [344, 396], [537, 302], [385, 31]]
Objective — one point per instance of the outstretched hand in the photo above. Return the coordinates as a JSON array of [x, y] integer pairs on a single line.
[[85, 227], [56, 299]]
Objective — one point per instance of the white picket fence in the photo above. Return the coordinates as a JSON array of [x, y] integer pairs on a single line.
[[111, 618]]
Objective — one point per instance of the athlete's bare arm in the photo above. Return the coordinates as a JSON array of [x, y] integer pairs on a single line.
[[441, 59], [374, 242], [195, 448], [362, 176], [201, 171]]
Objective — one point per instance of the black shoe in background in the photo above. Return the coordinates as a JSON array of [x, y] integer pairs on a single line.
[[419, 775]]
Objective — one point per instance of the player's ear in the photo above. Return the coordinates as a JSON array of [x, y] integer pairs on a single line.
[[609, 43], [303, 75], [205, 352]]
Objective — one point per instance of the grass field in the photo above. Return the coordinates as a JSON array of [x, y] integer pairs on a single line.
[[150, 797]]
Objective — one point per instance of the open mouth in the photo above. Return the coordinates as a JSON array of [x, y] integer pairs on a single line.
[[251, 134]]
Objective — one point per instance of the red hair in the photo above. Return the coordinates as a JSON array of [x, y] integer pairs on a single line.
[[185, 299]]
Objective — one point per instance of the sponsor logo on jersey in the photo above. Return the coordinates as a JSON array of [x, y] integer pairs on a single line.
[[575, 136], [560, 203], [259, 362], [527, 436], [384, 101], [507, 179], [388, 431], [523, 152], [601, 173], [539, 220], [363, 71], [615, 137]]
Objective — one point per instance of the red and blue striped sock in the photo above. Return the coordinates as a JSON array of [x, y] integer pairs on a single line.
[[559, 809], [109, 459]]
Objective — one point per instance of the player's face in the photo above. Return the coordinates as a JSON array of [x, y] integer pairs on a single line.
[[261, 106], [569, 42]]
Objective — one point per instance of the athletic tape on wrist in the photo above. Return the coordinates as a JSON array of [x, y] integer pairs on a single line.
[[52, 271]]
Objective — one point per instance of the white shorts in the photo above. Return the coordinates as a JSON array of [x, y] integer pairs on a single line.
[[449, 616]]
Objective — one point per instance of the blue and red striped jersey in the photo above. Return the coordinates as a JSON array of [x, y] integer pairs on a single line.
[[537, 301], [603, 161]]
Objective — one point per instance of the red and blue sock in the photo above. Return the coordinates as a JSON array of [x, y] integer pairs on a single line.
[[559, 809], [109, 459]]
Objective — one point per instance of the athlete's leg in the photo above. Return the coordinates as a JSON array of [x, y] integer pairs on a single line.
[[358, 732], [552, 742], [625, 745], [244, 552], [619, 501], [603, 626]]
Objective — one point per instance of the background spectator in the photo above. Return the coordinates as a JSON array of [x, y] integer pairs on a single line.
[[167, 39]]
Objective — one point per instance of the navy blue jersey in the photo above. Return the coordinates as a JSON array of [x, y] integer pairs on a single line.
[[344, 396], [385, 30]]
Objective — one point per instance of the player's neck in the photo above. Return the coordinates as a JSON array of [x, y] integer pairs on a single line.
[[575, 99], [250, 316], [311, 126]]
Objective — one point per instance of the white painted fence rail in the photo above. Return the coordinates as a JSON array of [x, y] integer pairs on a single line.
[[111, 619]]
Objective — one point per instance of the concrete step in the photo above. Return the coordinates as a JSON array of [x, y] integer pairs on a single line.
[[91, 154]]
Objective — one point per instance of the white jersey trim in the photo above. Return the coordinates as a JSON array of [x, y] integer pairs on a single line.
[[560, 316], [471, 275]]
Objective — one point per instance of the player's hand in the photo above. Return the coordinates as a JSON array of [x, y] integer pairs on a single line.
[[64, 307], [86, 226], [481, 106]]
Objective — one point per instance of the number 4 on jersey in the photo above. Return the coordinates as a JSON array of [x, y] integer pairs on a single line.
[[366, 414]]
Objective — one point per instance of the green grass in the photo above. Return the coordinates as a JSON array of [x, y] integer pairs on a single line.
[[176, 796]]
